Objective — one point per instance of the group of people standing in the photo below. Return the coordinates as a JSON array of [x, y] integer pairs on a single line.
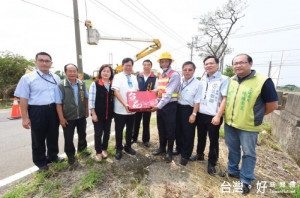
[[183, 103]]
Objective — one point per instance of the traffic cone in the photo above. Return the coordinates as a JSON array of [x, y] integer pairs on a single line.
[[15, 112]]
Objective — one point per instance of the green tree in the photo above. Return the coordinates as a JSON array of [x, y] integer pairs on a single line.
[[12, 68], [61, 74], [86, 76], [229, 71]]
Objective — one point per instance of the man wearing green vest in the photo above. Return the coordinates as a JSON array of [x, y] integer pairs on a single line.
[[250, 96], [72, 108]]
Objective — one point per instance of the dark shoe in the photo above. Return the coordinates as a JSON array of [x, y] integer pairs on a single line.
[[246, 189], [133, 141], [168, 157], [43, 168], [176, 152], [71, 160], [129, 150], [57, 160], [159, 151], [235, 176], [147, 144], [196, 157], [183, 161], [211, 169], [118, 155]]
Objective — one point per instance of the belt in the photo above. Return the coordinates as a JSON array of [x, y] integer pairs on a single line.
[[48, 105], [185, 106]]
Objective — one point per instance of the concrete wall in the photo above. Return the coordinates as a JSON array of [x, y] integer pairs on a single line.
[[286, 125]]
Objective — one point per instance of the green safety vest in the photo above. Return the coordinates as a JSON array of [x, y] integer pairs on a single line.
[[242, 111]]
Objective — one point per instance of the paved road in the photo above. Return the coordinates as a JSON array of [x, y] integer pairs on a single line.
[[15, 144]]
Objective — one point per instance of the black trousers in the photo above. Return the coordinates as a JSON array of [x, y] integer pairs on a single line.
[[120, 122], [146, 125], [44, 131], [69, 130], [166, 123], [204, 125], [102, 134], [185, 131]]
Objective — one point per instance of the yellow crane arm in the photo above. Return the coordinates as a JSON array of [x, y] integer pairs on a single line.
[[93, 38]]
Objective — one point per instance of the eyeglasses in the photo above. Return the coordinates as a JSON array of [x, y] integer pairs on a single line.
[[45, 61], [207, 64], [239, 63], [188, 70]]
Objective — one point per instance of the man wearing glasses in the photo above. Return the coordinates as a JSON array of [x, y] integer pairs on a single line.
[[36, 91], [122, 83], [212, 100], [250, 97]]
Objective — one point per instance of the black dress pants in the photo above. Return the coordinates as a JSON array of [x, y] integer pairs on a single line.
[[185, 131], [146, 126], [102, 134], [69, 130], [166, 123], [204, 125], [44, 132], [120, 122]]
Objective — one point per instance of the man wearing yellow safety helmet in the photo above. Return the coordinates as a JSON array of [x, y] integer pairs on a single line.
[[168, 88]]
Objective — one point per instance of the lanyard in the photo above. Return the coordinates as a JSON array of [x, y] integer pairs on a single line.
[[55, 83], [187, 84]]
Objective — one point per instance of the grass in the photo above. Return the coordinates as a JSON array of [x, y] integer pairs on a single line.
[[274, 145], [295, 190], [6, 103], [59, 166], [289, 168], [111, 151], [153, 121], [88, 83], [222, 133], [25, 189], [76, 191], [49, 186], [266, 138], [88, 182], [89, 162], [267, 127]]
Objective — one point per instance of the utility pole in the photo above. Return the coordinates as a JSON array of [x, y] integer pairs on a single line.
[[279, 69], [270, 66], [77, 39]]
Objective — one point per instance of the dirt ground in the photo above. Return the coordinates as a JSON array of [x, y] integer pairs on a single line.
[[145, 175]]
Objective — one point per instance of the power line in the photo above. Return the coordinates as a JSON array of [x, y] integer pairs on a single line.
[[119, 16], [128, 21], [268, 31], [169, 33], [275, 51], [50, 10], [56, 12], [160, 20]]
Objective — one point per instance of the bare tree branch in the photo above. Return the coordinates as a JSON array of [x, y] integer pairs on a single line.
[[215, 28]]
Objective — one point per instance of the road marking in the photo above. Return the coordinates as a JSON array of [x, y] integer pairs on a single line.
[[33, 169]]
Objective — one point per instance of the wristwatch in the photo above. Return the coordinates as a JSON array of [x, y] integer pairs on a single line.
[[194, 114]]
